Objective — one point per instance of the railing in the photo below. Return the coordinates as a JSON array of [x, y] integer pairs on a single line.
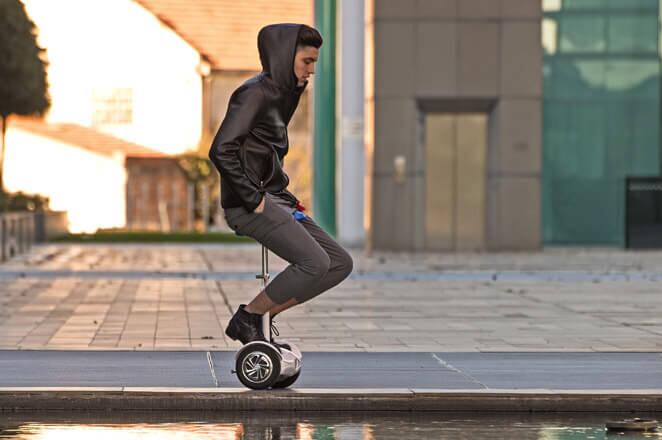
[[17, 233]]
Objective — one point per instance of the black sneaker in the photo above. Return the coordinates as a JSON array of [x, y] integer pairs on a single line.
[[245, 326]]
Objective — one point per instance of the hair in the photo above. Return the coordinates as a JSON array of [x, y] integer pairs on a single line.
[[309, 36]]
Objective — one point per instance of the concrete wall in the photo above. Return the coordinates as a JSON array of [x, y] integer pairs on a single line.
[[151, 182], [458, 55], [86, 184]]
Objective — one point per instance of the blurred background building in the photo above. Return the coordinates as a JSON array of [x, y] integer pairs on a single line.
[[512, 124], [487, 124], [155, 74], [601, 107]]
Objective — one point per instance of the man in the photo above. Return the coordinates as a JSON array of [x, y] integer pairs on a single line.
[[248, 151]]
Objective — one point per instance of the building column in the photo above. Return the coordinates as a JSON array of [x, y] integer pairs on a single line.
[[350, 149], [324, 158]]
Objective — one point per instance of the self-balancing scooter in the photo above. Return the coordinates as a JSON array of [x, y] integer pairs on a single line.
[[261, 365]]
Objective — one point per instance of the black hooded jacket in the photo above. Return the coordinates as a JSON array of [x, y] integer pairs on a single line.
[[251, 143]]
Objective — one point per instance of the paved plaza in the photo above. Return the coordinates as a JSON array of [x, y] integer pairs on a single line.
[[180, 297]]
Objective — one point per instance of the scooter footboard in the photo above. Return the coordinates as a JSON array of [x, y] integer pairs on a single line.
[[291, 360]]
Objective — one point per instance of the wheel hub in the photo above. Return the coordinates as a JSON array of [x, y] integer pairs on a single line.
[[257, 367]]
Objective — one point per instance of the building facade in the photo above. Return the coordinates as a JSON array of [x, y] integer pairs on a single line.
[[458, 103], [601, 110], [82, 171], [116, 68], [511, 124]]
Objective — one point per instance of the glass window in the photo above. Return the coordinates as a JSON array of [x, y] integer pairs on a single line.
[[574, 143], [555, 135], [619, 138], [632, 138], [633, 33], [582, 34], [576, 78], [645, 117], [112, 106], [586, 140], [581, 208], [632, 4], [632, 78], [601, 113], [583, 4]]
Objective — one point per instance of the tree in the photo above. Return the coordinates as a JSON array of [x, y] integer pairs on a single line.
[[23, 85], [200, 171]]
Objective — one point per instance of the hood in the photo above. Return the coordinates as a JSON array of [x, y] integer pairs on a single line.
[[277, 44]]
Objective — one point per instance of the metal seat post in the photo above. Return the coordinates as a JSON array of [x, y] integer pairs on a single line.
[[266, 328]]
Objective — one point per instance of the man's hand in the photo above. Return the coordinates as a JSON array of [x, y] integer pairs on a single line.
[[260, 207]]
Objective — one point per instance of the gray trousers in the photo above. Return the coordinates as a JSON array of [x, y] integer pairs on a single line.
[[317, 261]]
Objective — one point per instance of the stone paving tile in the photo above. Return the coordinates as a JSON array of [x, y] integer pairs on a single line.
[[241, 257], [374, 314]]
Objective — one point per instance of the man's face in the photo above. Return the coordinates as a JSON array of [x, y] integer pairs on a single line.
[[304, 63]]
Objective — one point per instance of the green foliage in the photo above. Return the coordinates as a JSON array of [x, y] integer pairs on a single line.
[[21, 201], [196, 168], [23, 83], [200, 172], [121, 236]]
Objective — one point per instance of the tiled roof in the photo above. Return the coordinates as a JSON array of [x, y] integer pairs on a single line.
[[83, 137], [225, 31]]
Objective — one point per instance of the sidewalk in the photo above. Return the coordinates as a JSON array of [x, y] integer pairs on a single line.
[[133, 380], [180, 297], [141, 326]]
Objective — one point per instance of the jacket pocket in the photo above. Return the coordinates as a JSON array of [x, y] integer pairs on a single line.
[[249, 172]]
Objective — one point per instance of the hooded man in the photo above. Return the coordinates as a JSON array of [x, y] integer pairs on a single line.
[[248, 151]]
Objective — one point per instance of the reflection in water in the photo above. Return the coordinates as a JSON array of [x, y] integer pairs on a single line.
[[307, 426]]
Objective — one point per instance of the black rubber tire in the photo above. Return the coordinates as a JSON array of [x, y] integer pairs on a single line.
[[287, 381], [271, 353]]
